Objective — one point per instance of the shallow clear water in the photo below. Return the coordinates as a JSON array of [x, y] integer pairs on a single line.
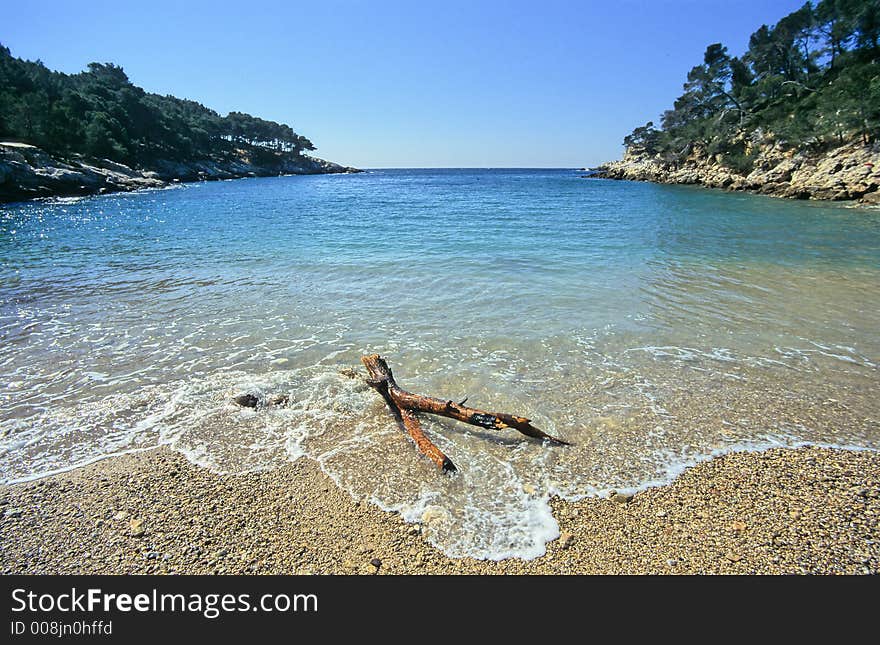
[[652, 326]]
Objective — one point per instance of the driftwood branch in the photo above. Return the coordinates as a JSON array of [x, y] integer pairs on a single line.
[[410, 423], [404, 404]]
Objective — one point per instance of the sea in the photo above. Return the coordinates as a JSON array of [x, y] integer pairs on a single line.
[[650, 326]]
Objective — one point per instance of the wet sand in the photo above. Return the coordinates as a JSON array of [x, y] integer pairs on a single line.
[[804, 510]]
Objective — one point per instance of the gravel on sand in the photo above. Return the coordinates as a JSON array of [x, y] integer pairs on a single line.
[[802, 510]]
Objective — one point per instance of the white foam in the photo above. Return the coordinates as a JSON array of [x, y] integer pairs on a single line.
[[64, 469]]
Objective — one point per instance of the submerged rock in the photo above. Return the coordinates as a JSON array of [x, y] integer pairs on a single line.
[[247, 400]]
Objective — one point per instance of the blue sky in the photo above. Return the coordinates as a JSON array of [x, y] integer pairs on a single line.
[[408, 84]]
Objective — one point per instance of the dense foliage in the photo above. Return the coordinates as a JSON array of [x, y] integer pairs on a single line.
[[811, 80], [100, 113]]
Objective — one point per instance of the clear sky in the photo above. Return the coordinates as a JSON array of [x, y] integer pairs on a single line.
[[478, 83]]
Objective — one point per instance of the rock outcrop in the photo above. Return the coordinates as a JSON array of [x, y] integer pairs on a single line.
[[849, 172], [27, 172]]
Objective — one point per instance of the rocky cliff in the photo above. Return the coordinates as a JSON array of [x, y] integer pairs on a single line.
[[849, 172], [27, 171]]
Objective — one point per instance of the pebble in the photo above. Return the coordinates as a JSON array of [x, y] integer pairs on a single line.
[[661, 513], [350, 565], [621, 498], [137, 527], [279, 399], [434, 514], [565, 539], [376, 562], [12, 512]]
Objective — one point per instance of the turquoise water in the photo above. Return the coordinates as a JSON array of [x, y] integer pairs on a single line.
[[652, 326]]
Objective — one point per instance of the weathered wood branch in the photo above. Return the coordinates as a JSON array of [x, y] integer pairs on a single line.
[[404, 403], [413, 427]]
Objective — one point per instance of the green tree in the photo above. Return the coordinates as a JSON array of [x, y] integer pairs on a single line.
[[809, 80], [101, 112]]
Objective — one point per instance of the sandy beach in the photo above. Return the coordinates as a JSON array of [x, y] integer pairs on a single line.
[[804, 510]]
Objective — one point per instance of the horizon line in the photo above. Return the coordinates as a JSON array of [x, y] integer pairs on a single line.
[[476, 168]]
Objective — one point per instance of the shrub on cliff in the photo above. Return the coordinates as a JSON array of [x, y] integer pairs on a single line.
[[101, 113]]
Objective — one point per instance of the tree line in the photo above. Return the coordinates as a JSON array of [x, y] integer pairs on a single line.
[[810, 80], [100, 113]]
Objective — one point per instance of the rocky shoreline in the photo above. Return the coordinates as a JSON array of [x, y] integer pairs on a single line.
[[27, 172], [848, 172], [804, 510]]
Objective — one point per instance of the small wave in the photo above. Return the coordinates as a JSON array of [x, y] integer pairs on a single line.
[[74, 466]]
